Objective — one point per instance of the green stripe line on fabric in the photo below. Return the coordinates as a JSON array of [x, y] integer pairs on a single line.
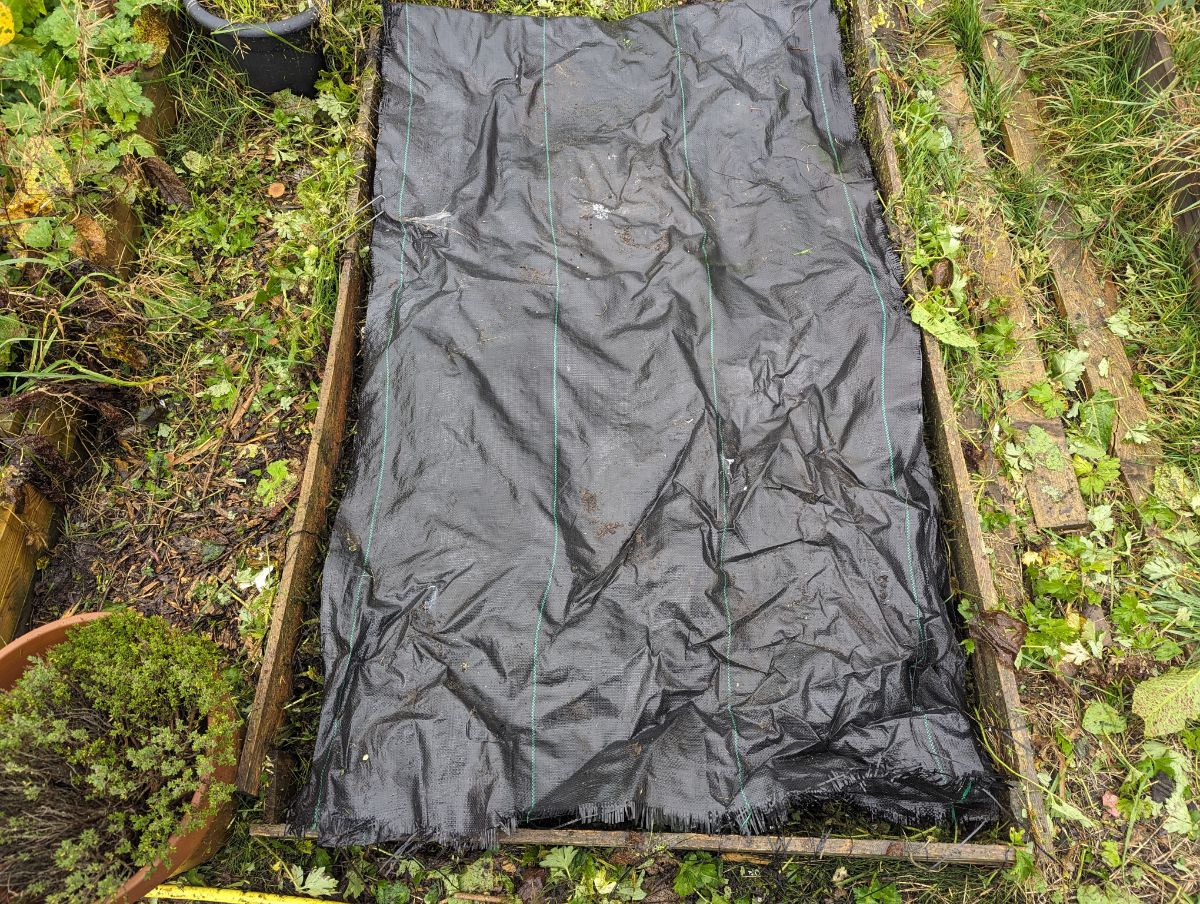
[[887, 433], [537, 632], [722, 480], [356, 608]]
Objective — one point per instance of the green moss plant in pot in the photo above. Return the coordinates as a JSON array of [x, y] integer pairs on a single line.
[[274, 42], [118, 745]]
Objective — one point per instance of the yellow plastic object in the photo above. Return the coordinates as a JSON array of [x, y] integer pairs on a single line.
[[229, 896]]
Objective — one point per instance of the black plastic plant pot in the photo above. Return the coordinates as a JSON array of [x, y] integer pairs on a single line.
[[274, 55]]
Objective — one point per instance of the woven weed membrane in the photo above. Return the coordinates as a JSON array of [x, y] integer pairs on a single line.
[[640, 522]]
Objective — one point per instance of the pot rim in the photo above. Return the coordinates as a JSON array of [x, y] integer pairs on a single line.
[[280, 28]]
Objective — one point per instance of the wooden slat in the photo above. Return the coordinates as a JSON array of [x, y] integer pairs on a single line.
[[25, 535], [1156, 64], [1003, 717], [995, 855], [1052, 488], [1078, 285], [320, 466]]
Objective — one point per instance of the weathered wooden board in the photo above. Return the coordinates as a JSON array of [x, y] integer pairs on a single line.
[[320, 466], [994, 855], [1079, 288], [1156, 63], [27, 527], [1051, 486], [1002, 716]]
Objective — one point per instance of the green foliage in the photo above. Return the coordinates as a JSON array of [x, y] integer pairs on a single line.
[[1067, 367], [1168, 702], [933, 315], [256, 11], [699, 874], [1101, 718], [877, 893], [1046, 397], [591, 879], [102, 745], [316, 882], [276, 483], [70, 109]]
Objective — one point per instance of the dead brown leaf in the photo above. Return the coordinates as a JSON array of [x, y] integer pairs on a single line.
[[171, 189]]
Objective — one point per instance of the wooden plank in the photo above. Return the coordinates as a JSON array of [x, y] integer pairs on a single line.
[[1001, 714], [994, 855], [1156, 65], [1052, 488], [320, 466], [1079, 288], [27, 528]]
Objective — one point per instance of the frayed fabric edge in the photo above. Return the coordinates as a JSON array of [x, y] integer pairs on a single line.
[[980, 809]]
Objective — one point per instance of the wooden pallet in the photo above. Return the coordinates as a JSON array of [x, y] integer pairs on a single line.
[[1051, 488]]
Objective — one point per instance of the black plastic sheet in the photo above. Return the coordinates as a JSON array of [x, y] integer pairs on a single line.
[[640, 525]]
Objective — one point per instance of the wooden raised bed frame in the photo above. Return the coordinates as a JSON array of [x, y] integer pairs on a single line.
[[1001, 715]]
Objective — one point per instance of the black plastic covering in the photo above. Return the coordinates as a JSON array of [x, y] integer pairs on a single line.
[[640, 524]]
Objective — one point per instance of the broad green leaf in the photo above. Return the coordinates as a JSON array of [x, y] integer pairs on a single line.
[[1068, 367], [1100, 718], [1166, 703], [559, 859], [1096, 417], [11, 331], [1064, 810], [1044, 396], [941, 324], [1042, 447], [392, 893], [1120, 325], [318, 883], [1108, 894], [1102, 519]]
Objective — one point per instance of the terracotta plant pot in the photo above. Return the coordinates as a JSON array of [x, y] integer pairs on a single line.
[[192, 845]]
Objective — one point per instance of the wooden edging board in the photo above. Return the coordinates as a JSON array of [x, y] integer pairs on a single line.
[[993, 855], [320, 465], [1002, 717]]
